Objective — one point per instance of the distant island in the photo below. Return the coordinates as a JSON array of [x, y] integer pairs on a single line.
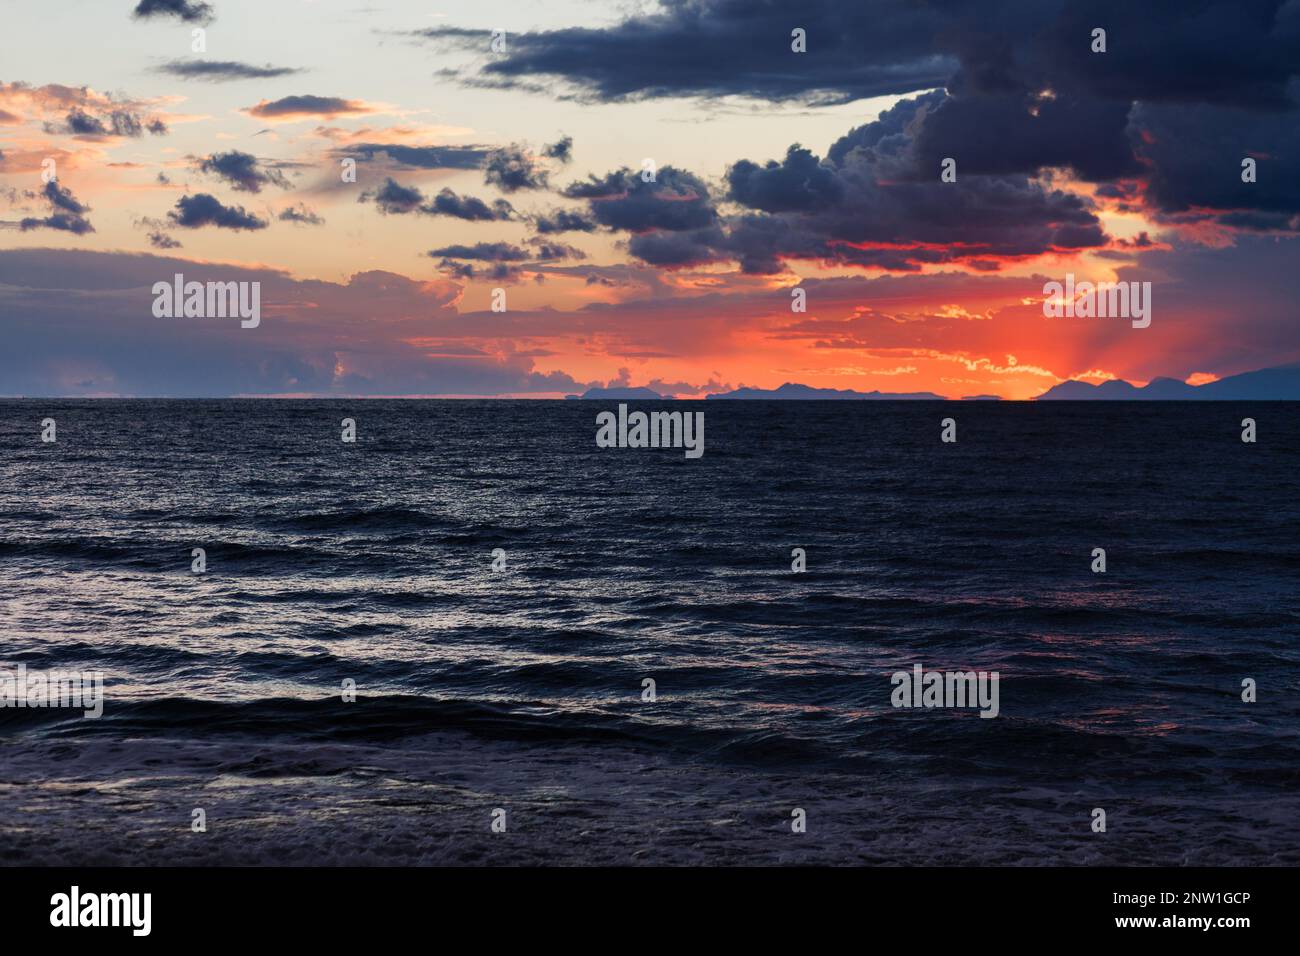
[[791, 391], [641, 392], [1268, 384]]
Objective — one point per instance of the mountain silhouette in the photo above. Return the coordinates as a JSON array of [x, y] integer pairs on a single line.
[[792, 391], [1267, 384]]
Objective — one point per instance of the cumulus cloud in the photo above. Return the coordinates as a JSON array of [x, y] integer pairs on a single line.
[[673, 200], [865, 205], [202, 209]]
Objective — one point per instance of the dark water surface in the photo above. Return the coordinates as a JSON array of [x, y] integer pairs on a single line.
[[521, 689]]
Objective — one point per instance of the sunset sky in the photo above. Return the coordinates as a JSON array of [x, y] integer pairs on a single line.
[[521, 170]]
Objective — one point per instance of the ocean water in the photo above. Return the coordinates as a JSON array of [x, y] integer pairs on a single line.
[[521, 689]]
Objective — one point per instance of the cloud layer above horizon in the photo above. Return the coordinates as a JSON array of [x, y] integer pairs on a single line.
[[645, 195]]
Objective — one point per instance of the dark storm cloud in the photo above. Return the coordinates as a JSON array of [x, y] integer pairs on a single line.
[[1017, 88], [1022, 132], [201, 209], [243, 171], [188, 10], [876, 47], [1195, 155], [675, 200], [722, 47], [859, 207], [421, 157], [393, 198], [670, 249], [221, 71], [798, 183]]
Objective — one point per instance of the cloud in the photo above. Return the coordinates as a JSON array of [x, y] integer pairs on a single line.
[[306, 106], [712, 48], [300, 215], [160, 240], [1010, 88], [243, 171], [392, 198], [470, 208], [561, 149], [484, 251], [503, 259], [83, 324], [223, 71], [799, 183], [119, 122], [67, 213], [420, 157], [1173, 142], [511, 169], [189, 11], [865, 205], [721, 47], [563, 220], [202, 209], [674, 200]]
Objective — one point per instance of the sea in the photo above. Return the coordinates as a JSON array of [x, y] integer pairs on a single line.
[[472, 636]]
